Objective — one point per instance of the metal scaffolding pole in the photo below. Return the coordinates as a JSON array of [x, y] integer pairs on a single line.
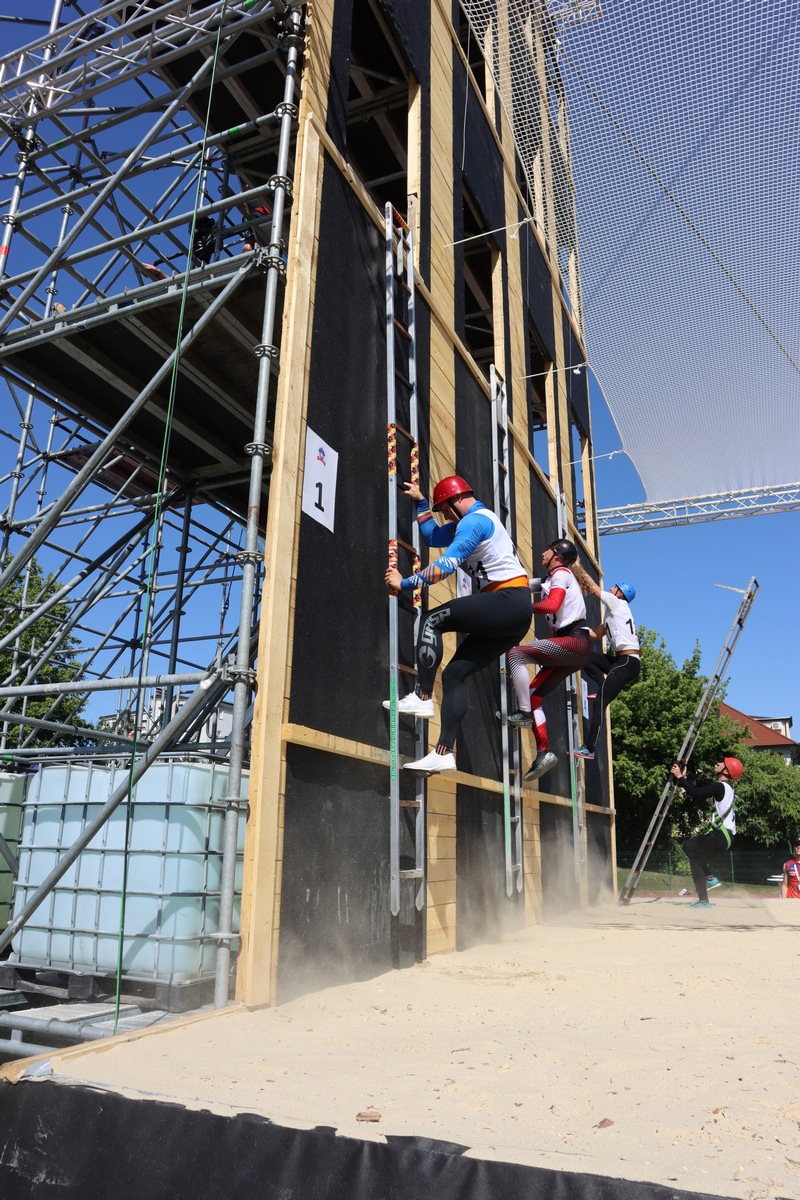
[[87, 473], [103, 195], [61, 540], [163, 742], [258, 450]]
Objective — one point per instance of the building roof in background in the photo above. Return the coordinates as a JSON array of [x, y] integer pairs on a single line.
[[760, 734]]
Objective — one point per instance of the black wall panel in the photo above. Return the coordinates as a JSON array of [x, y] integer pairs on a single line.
[[559, 890], [477, 153], [411, 28], [411, 31], [478, 748], [598, 844], [340, 648], [577, 384], [335, 919], [339, 87], [483, 910], [537, 289], [410, 23]]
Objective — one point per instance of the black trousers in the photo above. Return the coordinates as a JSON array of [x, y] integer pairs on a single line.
[[493, 623], [610, 676], [698, 849]]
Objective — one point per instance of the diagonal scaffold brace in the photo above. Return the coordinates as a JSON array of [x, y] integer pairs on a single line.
[[692, 734]]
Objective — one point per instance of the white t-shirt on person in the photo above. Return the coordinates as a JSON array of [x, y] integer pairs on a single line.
[[573, 607], [620, 625]]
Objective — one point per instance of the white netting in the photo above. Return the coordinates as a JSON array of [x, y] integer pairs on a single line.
[[683, 121]]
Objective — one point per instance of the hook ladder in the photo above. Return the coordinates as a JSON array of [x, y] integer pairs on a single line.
[[703, 709], [401, 393], [576, 777], [510, 738]]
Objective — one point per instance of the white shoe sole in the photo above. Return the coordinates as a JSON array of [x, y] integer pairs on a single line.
[[417, 770], [424, 712]]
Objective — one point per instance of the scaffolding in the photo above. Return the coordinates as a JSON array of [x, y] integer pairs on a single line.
[[146, 155]]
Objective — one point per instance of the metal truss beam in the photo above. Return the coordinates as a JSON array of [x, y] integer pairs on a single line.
[[573, 10], [693, 510]]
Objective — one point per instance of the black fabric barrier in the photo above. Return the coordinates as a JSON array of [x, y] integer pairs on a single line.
[[537, 287], [335, 919], [76, 1142]]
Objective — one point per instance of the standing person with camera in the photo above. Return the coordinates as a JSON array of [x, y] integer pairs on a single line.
[[722, 828], [567, 649]]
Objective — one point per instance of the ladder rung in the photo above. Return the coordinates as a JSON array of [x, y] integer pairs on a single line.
[[410, 804], [407, 546], [401, 329], [417, 873], [407, 670], [404, 432]]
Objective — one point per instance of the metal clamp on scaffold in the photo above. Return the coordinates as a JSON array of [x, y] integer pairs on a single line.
[[264, 448], [248, 556], [280, 181]]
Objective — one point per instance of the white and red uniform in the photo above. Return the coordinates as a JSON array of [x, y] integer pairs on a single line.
[[791, 874], [558, 656]]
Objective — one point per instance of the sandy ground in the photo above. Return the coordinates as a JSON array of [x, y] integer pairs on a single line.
[[651, 1042]]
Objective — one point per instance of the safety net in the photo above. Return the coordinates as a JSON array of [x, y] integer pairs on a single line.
[[672, 140]]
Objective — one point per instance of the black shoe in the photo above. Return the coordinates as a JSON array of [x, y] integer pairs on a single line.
[[543, 762], [520, 718]]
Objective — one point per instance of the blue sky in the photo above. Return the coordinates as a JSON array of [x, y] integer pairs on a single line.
[[675, 572]]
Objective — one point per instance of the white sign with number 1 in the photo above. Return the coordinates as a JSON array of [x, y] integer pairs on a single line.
[[319, 480]]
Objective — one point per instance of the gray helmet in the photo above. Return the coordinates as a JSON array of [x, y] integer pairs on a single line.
[[566, 550]]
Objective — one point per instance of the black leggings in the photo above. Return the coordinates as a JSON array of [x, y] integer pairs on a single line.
[[610, 676], [493, 622], [698, 849]]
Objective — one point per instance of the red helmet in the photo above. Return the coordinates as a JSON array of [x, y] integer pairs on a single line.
[[734, 768], [449, 489]]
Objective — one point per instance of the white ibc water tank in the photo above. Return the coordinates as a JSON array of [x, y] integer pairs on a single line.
[[174, 866], [12, 798]]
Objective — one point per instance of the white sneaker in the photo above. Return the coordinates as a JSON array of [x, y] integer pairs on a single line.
[[412, 706], [432, 763]]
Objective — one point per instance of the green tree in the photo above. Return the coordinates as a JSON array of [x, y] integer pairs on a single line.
[[16, 660], [767, 800], [649, 721]]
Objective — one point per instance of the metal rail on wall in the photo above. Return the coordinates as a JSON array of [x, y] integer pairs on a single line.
[[510, 737], [401, 372]]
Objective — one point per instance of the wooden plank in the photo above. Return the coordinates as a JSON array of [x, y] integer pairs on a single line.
[[443, 913], [441, 871], [257, 961], [441, 940]]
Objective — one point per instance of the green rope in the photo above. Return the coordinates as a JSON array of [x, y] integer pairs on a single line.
[[157, 517]]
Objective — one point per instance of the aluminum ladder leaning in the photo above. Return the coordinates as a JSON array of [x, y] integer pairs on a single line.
[[693, 732], [401, 392], [510, 737]]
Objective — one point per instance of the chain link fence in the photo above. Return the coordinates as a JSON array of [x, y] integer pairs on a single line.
[[668, 868]]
